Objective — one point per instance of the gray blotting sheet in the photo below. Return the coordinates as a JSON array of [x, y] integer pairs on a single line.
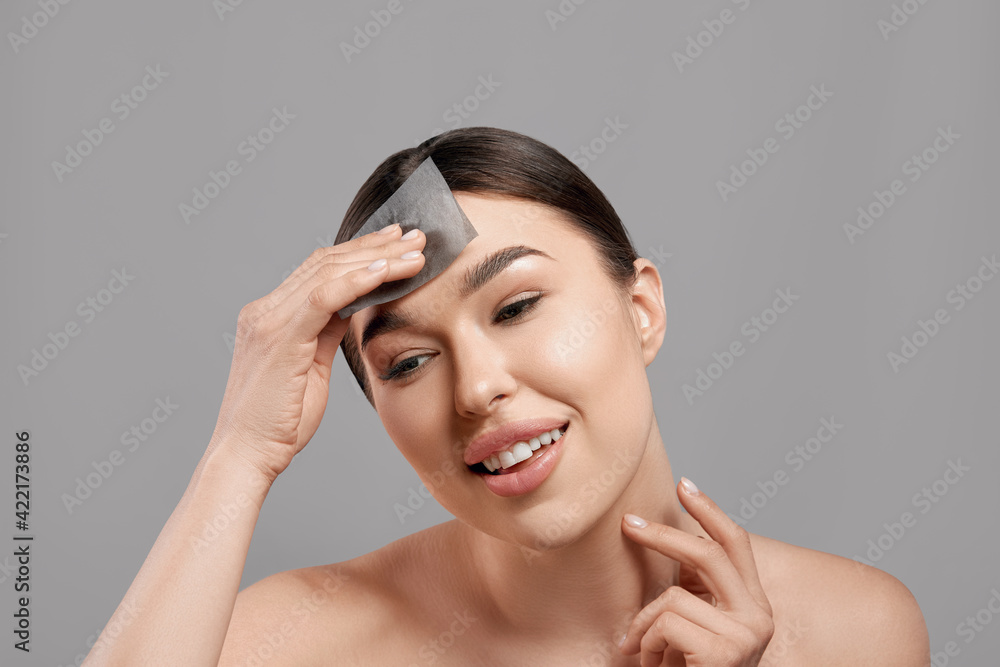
[[425, 202]]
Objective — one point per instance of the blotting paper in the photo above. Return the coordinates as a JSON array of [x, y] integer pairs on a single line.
[[425, 202]]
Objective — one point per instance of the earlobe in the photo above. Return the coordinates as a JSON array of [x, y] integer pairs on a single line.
[[647, 303]]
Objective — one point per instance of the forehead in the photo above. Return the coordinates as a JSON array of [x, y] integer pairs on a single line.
[[500, 222], [499, 216]]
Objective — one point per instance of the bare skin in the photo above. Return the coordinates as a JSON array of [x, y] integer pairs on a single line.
[[389, 605], [552, 576]]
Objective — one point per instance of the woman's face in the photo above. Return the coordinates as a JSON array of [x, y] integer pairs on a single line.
[[574, 353]]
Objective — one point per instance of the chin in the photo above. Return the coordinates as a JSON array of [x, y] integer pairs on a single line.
[[587, 481], [555, 522]]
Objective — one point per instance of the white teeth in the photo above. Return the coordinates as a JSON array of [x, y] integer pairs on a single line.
[[520, 451]]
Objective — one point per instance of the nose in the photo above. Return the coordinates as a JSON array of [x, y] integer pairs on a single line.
[[482, 375]]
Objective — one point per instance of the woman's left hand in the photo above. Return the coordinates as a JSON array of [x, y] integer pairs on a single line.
[[681, 627]]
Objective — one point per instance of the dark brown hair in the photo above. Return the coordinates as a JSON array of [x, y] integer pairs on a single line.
[[488, 160]]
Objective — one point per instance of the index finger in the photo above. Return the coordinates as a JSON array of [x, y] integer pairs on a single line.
[[374, 239], [733, 538], [707, 558]]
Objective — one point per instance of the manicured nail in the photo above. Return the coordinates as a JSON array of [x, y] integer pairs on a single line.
[[388, 229], [689, 486], [377, 264], [412, 234], [621, 641], [413, 254], [635, 521]]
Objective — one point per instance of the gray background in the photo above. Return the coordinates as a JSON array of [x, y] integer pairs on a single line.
[[168, 333]]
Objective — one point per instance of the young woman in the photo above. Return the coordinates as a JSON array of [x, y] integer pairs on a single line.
[[533, 343]]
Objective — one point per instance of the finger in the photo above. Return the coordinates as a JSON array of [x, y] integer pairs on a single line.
[[683, 603], [378, 237], [707, 557], [368, 247], [390, 247], [675, 632], [733, 538], [328, 340], [330, 272], [327, 343], [688, 579], [308, 265], [318, 304]]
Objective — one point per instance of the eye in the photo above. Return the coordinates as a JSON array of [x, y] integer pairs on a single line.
[[408, 368], [515, 310], [404, 369]]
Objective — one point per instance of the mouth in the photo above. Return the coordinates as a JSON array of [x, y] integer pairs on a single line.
[[519, 455]]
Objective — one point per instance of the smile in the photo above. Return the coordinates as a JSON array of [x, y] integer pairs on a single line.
[[522, 469], [500, 462]]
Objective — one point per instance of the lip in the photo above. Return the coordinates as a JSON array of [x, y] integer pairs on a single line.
[[527, 479], [501, 438]]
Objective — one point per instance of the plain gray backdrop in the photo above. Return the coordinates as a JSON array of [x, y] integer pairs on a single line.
[[659, 102]]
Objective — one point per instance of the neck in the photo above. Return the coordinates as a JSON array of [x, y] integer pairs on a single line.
[[593, 587]]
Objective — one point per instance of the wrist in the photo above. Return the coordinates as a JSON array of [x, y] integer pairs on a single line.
[[230, 461]]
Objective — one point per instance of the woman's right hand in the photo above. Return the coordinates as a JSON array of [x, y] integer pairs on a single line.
[[286, 341]]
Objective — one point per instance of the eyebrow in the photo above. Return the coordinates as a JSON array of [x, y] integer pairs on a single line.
[[388, 319]]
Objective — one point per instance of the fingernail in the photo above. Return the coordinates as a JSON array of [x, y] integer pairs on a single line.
[[388, 229], [377, 264], [412, 234], [689, 486], [635, 521], [413, 254], [621, 642]]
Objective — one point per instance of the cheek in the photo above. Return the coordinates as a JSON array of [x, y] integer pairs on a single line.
[[419, 441], [593, 362], [420, 437], [589, 348]]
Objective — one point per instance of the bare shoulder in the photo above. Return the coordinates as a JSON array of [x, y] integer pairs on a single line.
[[292, 617], [830, 610], [349, 609]]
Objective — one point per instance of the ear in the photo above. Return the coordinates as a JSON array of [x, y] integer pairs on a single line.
[[648, 309]]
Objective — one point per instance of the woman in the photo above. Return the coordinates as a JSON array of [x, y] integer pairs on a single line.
[[542, 327]]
